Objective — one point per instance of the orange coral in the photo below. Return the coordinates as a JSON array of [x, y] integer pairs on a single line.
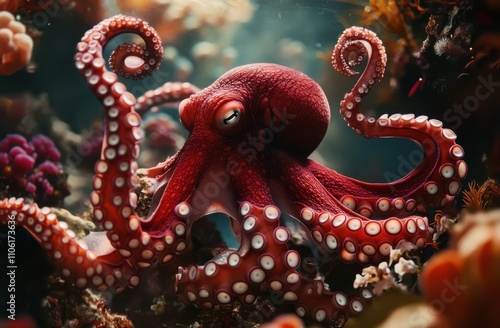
[[15, 44], [473, 197], [462, 283], [284, 321], [393, 16]]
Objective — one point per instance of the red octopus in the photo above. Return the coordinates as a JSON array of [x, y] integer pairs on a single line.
[[251, 132]]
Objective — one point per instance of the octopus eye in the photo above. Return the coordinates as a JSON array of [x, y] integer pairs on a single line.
[[232, 118], [228, 116]]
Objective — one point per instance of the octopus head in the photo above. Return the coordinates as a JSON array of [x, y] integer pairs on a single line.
[[279, 105]]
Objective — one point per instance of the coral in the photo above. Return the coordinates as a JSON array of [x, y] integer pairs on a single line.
[[284, 321], [390, 275], [175, 17], [67, 307], [479, 198], [15, 45], [446, 50], [473, 197], [461, 283], [80, 226], [32, 169]]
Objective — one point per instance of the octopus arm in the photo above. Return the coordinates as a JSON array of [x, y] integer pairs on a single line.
[[434, 182], [336, 227], [170, 93], [243, 276], [101, 268]]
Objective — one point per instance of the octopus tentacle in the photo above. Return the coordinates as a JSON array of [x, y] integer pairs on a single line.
[[126, 249], [266, 264], [339, 229], [113, 199], [372, 200], [180, 186], [434, 182], [75, 260], [132, 60], [170, 92]]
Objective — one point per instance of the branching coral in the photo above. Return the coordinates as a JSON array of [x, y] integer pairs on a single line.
[[15, 44]]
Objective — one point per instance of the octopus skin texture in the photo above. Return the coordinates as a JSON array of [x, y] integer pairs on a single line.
[[250, 134]]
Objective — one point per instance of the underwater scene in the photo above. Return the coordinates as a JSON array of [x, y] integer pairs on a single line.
[[249, 163]]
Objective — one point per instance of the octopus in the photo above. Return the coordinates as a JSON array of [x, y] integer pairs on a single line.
[[250, 135]]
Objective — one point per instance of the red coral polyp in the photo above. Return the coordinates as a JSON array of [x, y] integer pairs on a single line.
[[22, 163], [45, 148], [31, 169]]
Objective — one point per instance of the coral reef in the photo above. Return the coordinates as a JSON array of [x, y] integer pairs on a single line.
[[357, 221], [249, 227]]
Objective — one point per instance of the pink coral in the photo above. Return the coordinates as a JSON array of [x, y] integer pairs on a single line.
[[32, 168]]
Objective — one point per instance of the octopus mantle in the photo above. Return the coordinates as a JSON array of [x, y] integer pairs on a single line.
[[251, 132]]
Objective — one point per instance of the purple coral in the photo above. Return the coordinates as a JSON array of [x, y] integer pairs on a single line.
[[32, 169]]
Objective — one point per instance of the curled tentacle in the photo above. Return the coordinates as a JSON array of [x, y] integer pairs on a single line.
[[132, 60], [112, 198], [359, 43], [436, 180], [115, 259]]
